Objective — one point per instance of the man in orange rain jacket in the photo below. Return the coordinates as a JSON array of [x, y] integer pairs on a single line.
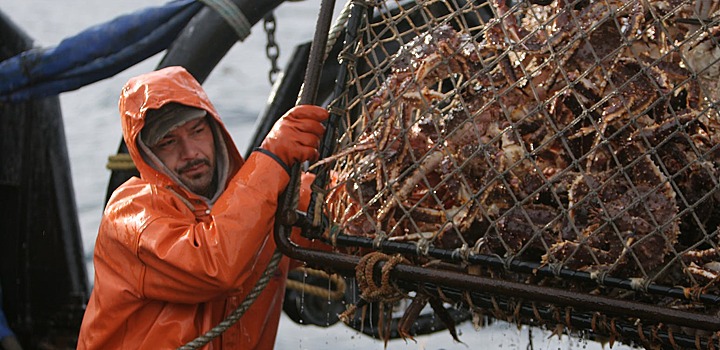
[[180, 247]]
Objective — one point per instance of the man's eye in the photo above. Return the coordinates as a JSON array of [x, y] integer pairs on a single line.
[[165, 143], [200, 130]]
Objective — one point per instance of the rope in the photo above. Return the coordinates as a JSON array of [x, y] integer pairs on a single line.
[[386, 292], [322, 292], [120, 162], [238, 313], [338, 27], [232, 16]]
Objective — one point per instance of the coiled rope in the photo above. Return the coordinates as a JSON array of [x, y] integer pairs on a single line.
[[385, 292]]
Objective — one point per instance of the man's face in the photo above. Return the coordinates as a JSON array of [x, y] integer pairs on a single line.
[[189, 152]]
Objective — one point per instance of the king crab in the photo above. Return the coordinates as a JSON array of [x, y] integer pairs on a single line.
[[569, 133]]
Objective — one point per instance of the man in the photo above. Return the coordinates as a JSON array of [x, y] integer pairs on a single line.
[[179, 248]]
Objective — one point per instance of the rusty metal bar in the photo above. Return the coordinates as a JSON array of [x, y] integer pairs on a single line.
[[343, 263], [308, 94], [557, 296], [340, 263], [316, 58], [520, 266], [358, 11]]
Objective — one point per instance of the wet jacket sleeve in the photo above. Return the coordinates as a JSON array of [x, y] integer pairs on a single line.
[[189, 262]]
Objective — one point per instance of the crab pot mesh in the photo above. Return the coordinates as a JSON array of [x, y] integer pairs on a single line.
[[572, 135]]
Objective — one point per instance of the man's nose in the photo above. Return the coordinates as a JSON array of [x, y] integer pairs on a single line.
[[188, 149]]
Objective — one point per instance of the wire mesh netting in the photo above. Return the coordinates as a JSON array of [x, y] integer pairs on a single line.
[[570, 135]]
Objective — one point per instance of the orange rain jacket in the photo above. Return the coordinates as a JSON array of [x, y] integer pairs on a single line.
[[167, 266]]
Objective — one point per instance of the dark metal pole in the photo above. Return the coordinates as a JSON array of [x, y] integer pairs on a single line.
[[317, 53], [289, 198]]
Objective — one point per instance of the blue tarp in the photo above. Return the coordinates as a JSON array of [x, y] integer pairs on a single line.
[[94, 54]]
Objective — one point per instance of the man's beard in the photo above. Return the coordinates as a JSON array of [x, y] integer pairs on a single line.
[[200, 184]]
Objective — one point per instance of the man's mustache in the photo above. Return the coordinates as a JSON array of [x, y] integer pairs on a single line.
[[193, 163]]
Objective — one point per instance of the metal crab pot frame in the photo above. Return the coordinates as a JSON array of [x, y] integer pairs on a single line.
[[403, 86], [483, 291], [480, 288], [525, 267]]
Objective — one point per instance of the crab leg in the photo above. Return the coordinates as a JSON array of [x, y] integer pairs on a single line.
[[429, 164], [411, 314]]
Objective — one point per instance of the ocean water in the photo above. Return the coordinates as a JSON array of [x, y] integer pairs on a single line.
[[239, 88]]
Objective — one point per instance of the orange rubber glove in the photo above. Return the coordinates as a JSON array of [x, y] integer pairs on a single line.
[[296, 136]]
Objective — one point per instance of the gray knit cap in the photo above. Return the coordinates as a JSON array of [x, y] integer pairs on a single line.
[[159, 122]]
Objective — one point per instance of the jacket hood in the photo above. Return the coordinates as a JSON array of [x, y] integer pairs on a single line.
[[152, 91]]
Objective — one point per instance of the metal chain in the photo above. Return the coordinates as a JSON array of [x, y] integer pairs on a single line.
[[272, 50]]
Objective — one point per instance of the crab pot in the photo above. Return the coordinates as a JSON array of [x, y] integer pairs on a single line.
[[568, 145]]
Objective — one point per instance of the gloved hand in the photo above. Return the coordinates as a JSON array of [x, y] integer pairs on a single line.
[[296, 136]]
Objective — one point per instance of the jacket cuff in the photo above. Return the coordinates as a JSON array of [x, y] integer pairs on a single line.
[[273, 156], [263, 172]]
